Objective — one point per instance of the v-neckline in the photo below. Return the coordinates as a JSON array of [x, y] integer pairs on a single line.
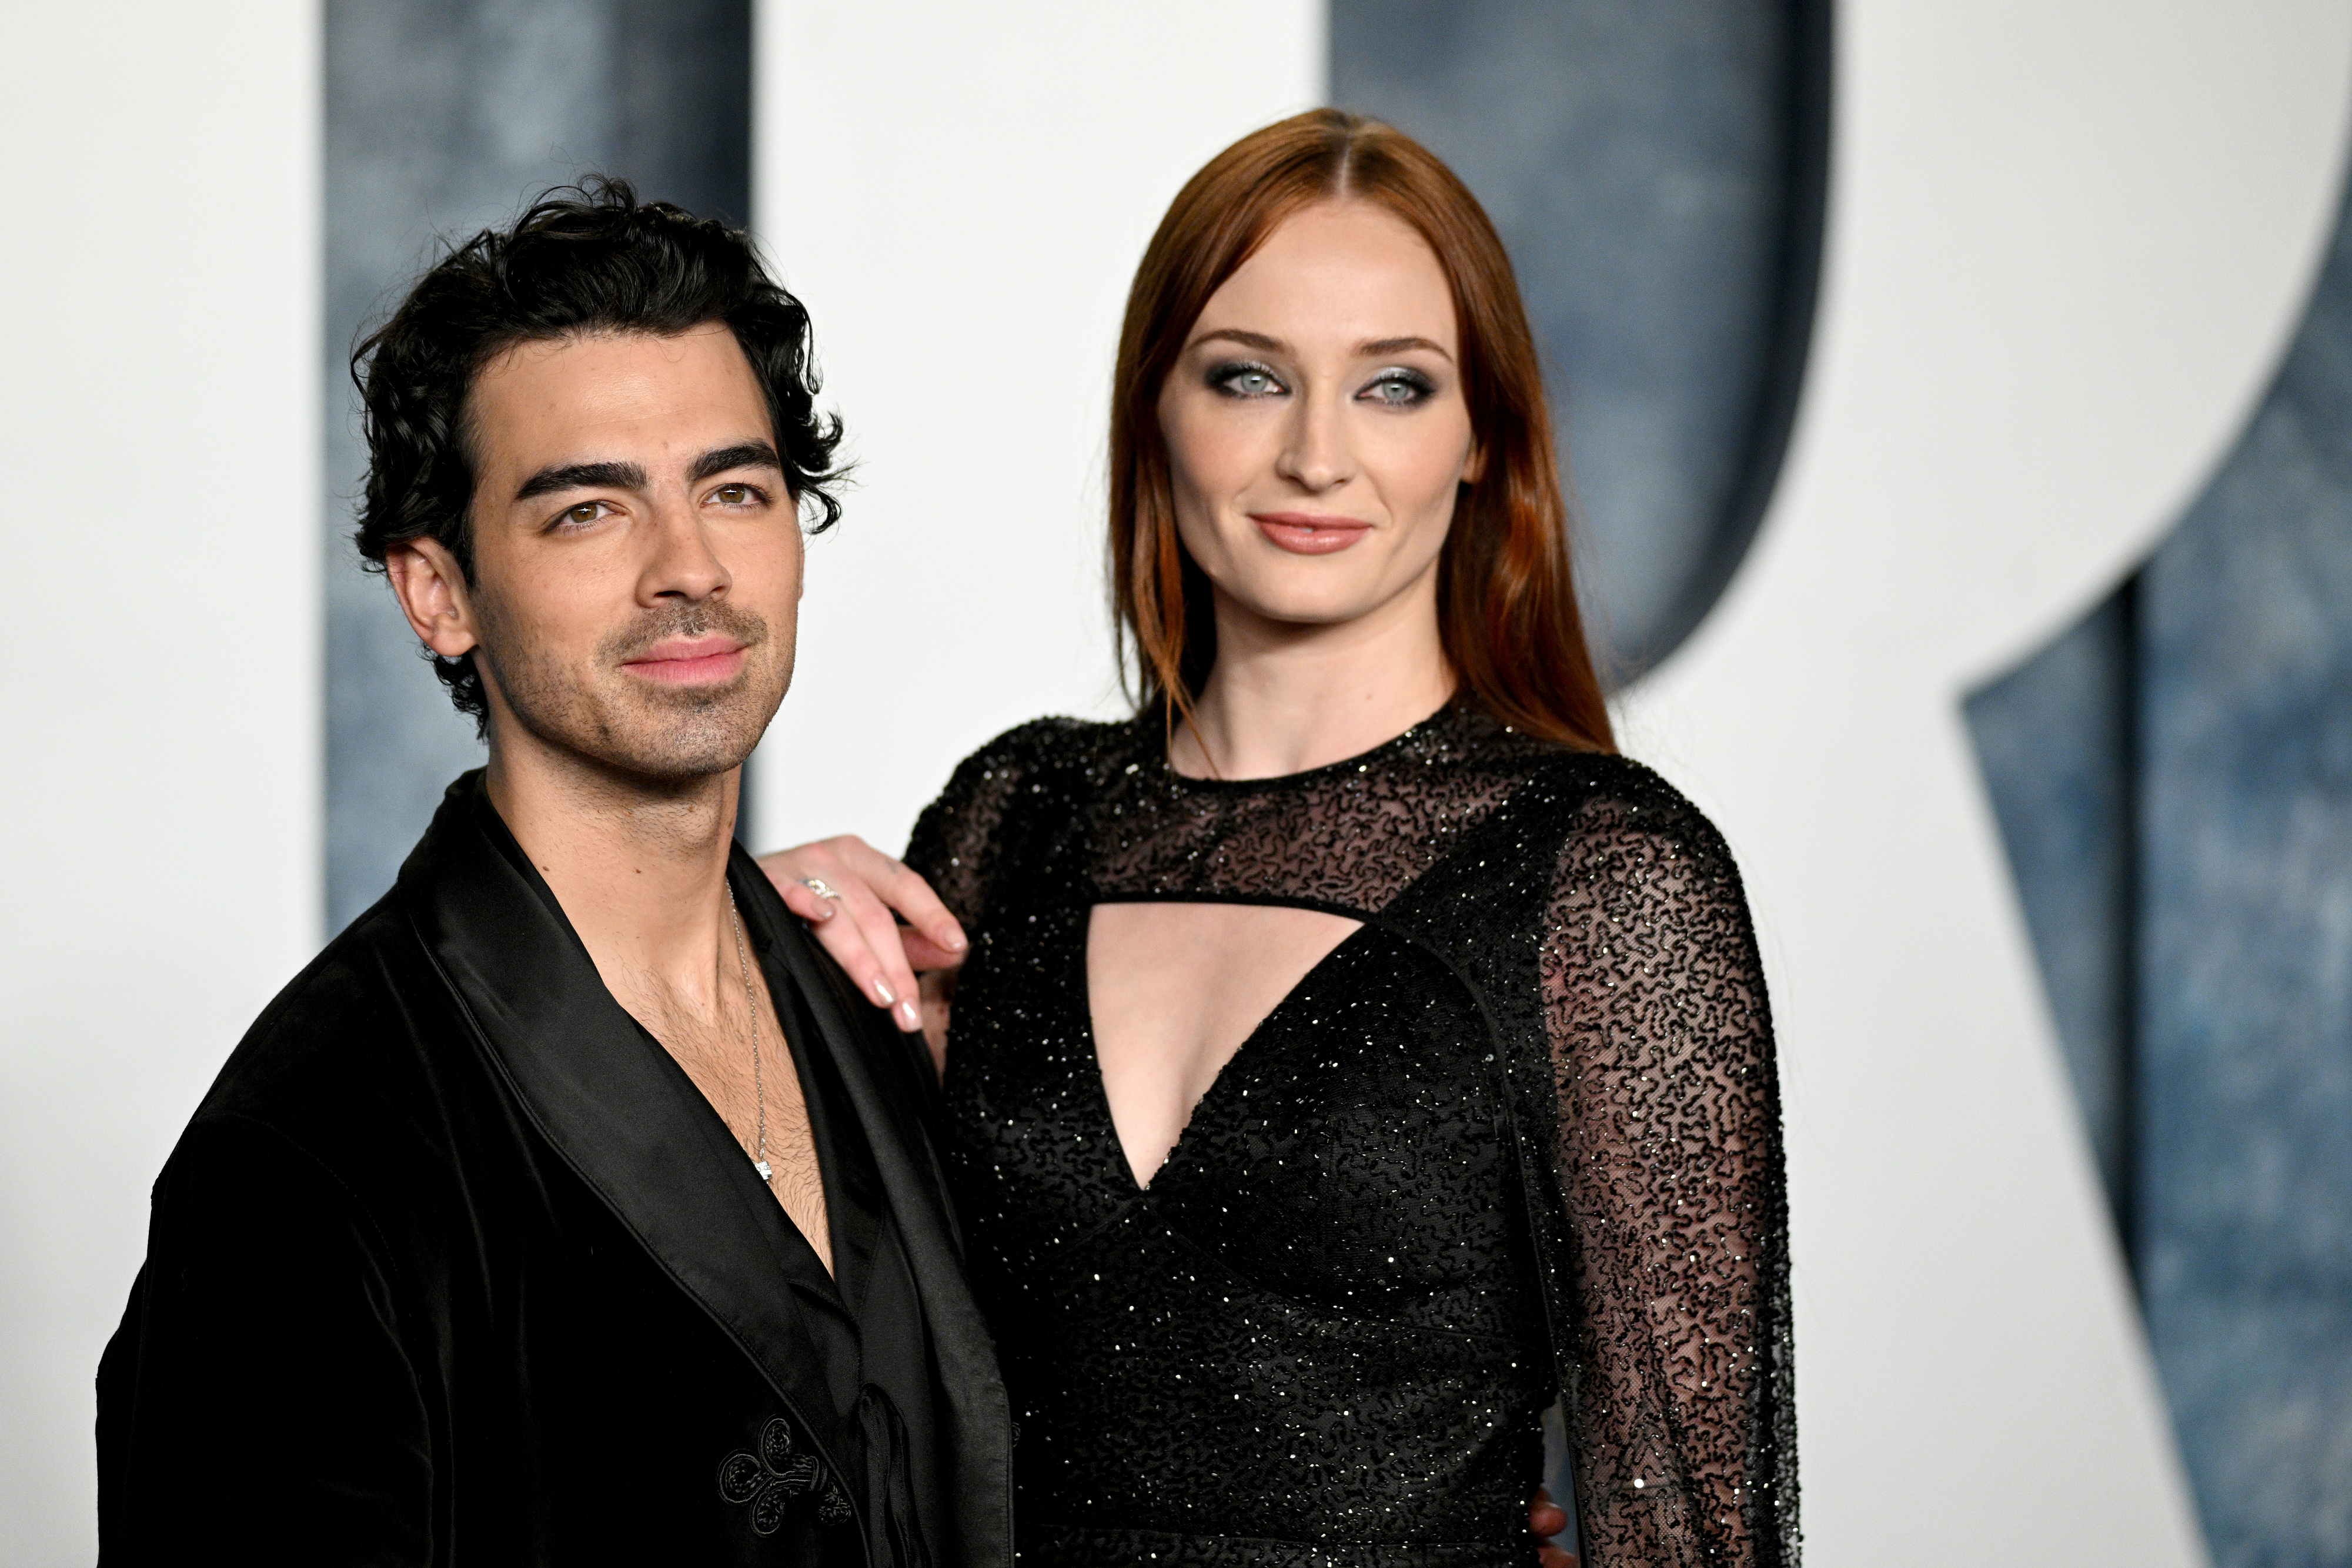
[[1082, 987]]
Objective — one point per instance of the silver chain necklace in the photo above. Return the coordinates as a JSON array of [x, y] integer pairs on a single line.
[[751, 1007]]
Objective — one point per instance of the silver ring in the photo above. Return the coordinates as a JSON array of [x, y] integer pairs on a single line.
[[819, 886]]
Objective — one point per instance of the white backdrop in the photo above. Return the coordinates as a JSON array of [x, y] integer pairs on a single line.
[[2068, 238], [961, 193], [2069, 243], [159, 309]]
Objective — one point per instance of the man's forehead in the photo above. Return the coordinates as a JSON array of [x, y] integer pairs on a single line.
[[704, 355], [591, 339], [580, 397]]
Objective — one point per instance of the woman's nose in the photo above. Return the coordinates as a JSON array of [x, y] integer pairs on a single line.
[[1317, 456]]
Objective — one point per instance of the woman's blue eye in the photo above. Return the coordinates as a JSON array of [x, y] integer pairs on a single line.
[[1397, 388], [1244, 381]]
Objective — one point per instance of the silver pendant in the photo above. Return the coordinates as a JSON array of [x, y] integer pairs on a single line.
[[761, 1166]]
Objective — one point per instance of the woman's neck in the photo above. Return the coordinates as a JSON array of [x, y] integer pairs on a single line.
[[1284, 698]]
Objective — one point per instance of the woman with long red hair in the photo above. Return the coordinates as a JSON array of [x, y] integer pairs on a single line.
[[1354, 1055]]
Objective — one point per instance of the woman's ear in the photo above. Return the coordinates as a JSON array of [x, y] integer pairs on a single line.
[[1475, 467], [426, 579]]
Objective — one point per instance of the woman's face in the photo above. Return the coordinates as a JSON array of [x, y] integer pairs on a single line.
[[1316, 426]]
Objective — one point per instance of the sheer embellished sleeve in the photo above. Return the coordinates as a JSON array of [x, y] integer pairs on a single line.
[[1683, 1418], [957, 840]]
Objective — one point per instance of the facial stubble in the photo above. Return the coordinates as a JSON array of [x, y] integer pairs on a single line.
[[600, 712]]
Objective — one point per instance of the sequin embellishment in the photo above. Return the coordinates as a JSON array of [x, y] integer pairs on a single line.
[[1517, 1140]]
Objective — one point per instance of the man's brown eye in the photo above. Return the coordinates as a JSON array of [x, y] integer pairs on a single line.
[[583, 513]]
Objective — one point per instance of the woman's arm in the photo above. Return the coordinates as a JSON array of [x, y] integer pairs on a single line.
[[1670, 1165]]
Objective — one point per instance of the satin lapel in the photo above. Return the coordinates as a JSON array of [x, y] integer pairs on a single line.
[[611, 1103], [878, 1068]]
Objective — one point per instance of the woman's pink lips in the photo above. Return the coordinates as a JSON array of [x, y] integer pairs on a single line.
[[1309, 533], [689, 663]]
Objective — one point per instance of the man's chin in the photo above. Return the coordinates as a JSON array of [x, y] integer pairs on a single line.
[[664, 737], [663, 749], [681, 748]]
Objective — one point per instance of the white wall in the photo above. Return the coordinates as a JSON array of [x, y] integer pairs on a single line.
[[961, 193], [159, 806], [2068, 242]]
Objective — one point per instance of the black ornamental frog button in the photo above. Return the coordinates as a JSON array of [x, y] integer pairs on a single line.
[[771, 1478]]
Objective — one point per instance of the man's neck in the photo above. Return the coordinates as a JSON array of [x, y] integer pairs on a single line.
[[641, 872], [639, 867]]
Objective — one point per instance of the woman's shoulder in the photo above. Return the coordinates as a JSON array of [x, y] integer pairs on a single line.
[[1034, 764], [1597, 799], [1056, 744], [1032, 773]]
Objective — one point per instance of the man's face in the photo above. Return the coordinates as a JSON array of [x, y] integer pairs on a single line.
[[637, 557]]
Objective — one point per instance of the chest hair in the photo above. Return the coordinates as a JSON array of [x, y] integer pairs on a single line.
[[716, 1052]]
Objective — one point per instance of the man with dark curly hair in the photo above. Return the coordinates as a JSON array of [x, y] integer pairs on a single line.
[[572, 1205]]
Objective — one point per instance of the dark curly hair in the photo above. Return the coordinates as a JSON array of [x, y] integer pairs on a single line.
[[583, 259]]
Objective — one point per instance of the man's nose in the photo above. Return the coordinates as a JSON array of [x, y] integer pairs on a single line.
[[683, 564]]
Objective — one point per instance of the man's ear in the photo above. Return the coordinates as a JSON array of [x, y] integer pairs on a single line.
[[431, 589]]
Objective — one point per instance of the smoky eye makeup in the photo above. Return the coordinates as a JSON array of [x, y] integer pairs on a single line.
[[1399, 386], [1244, 379]]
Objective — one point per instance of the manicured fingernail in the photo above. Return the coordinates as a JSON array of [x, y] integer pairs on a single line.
[[826, 913], [882, 990], [955, 941], [908, 1018]]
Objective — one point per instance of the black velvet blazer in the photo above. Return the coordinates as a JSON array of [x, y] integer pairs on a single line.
[[455, 1265]]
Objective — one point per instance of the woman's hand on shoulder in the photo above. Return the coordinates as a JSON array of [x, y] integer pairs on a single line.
[[857, 918]]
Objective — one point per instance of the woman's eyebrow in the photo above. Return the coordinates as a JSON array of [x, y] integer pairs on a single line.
[[1370, 348], [1247, 339], [1378, 346]]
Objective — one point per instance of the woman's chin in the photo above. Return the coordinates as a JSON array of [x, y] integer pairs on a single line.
[[1305, 595], [1303, 614]]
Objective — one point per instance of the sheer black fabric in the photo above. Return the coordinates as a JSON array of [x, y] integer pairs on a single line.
[[1516, 1139]]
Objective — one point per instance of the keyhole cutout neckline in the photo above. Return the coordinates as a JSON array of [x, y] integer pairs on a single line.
[[1161, 1083], [1210, 1063]]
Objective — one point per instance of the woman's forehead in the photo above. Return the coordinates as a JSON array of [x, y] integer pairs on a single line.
[[1336, 275]]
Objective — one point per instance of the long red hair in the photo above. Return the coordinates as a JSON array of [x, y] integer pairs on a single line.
[[1506, 611]]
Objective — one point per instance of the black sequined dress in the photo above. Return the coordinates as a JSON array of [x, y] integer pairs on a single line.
[[1516, 1139]]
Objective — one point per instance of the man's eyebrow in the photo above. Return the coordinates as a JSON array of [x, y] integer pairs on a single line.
[[629, 476], [743, 454], [582, 476], [1378, 346]]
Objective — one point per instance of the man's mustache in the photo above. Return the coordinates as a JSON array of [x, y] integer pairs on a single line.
[[658, 626]]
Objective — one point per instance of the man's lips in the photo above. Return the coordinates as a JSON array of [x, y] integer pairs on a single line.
[[688, 661], [1309, 533]]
